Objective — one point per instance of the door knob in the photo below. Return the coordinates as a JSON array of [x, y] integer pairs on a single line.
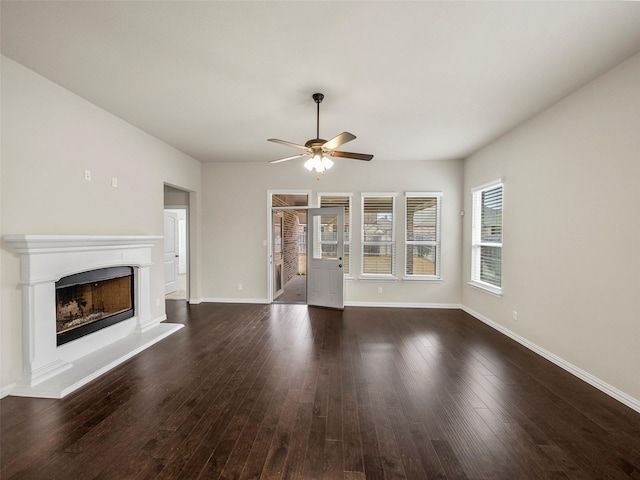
[[340, 265]]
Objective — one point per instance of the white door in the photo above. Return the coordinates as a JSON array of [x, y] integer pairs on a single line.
[[170, 252], [325, 253]]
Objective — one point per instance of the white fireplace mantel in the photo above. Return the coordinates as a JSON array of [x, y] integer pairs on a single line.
[[52, 371]]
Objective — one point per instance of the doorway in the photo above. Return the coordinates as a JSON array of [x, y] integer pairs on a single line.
[[176, 251], [287, 256]]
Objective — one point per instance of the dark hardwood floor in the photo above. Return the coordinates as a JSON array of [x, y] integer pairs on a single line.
[[286, 391]]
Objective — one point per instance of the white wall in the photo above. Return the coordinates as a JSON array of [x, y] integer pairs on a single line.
[[571, 257], [49, 137], [235, 202]]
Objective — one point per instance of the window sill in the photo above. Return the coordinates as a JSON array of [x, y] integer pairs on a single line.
[[485, 287], [378, 278], [422, 278]]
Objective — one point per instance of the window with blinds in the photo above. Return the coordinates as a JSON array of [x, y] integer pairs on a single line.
[[378, 235], [486, 255], [341, 200], [422, 239]]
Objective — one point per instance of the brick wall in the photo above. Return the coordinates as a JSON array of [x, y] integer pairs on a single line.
[[290, 225]]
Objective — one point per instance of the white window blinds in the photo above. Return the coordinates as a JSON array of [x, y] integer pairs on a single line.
[[378, 235], [422, 242]]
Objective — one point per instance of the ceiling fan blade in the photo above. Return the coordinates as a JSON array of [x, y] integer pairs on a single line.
[[338, 140], [289, 158], [356, 156], [290, 144]]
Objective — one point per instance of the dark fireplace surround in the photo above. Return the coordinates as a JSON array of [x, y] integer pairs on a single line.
[[90, 301]]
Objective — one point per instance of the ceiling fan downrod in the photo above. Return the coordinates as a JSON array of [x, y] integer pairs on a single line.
[[318, 97]]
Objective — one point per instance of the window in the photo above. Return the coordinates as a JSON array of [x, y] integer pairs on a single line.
[[378, 235], [486, 244], [422, 239], [341, 200]]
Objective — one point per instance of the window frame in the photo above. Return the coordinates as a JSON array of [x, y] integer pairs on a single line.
[[392, 243], [436, 243], [349, 218], [476, 237]]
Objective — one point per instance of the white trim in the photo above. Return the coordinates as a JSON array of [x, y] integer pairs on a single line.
[[6, 390], [290, 208], [604, 387], [485, 186], [234, 300], [486, 287], [422, 194], [380, 277], [422, 278], [379, 194], [334, 194], [449, 306], [195, 301], [34, 244]]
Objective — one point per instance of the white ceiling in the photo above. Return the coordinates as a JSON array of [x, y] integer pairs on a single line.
[[412, 80]]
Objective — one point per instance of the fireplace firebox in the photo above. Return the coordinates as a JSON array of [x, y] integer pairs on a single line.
[[89, 301]]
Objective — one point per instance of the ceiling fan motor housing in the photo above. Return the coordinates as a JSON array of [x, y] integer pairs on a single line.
[[315, 142]]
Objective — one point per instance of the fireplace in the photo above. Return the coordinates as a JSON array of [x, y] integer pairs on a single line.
[[86, 307], [89, 301]]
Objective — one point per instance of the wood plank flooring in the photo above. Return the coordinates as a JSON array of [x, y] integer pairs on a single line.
[[291, 392]]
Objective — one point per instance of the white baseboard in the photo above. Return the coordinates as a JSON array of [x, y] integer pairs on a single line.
[[233, 300], [403, 305], [347, 304], [6, 390], [613, 392]]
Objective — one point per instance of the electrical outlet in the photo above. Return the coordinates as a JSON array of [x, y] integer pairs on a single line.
[[379, 289], [239, 286], [114, 182], [87, 175], [515, 316]]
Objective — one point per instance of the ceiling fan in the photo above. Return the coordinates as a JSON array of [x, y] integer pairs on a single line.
[[318, 148]]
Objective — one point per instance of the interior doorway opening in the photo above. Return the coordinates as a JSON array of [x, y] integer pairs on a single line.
[[288, 241], [176, 241]]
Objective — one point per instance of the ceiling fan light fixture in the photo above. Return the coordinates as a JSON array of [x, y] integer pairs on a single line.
[[309, 164], [319, 163]]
